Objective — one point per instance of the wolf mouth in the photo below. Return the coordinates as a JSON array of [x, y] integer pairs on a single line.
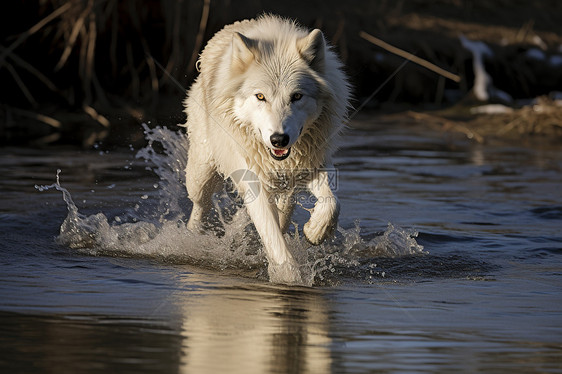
[[279, 154]]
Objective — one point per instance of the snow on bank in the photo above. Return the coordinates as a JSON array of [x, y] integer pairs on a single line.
[[483, 88]]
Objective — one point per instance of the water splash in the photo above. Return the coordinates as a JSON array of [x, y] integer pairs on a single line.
[[232, 244]]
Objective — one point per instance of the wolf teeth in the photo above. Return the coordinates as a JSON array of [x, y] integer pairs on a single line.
[[280, 154]]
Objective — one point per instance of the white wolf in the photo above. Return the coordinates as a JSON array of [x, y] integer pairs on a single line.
[[270, 100]]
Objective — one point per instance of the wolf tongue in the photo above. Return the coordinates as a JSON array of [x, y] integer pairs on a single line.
[[279, 152]]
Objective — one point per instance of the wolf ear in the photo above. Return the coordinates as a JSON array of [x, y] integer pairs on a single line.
[[242, 52], [312, 49]]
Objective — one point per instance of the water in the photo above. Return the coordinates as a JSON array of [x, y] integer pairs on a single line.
[[448, 257]]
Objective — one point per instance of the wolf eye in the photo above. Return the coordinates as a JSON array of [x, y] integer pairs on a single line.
[[296, 97], [260, 97]]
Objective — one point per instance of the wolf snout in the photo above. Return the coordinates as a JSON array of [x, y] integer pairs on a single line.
[[279, 140]]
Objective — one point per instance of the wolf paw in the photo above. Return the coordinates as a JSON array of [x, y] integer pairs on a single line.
[[320, 226], [195, 226], [286, 273], [316, 233]]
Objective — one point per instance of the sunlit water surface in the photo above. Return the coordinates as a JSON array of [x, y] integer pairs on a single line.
[[448, 257]]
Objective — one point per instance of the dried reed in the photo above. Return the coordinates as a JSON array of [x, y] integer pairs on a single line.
[[106, 51]]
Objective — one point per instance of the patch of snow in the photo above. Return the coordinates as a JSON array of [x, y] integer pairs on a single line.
[[482, 80], [555, 95], [535, 54], [555, 60], [496, 93], [491, 109], [483, 88]]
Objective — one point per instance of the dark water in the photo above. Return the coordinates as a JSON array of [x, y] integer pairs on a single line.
[[127, 290]]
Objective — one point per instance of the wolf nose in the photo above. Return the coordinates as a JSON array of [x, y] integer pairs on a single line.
[[279, 140]]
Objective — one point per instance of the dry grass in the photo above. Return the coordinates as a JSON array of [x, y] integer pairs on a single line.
[[100, 44], [86, 64], [541, 121], [543, 118]]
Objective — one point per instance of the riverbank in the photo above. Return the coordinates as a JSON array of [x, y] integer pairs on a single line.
[[83, 72]]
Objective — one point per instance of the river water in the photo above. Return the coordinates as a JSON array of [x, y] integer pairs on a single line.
[[448, 258]]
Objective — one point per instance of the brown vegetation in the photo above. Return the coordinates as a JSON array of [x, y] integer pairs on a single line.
[[84, 70], [540, 120]]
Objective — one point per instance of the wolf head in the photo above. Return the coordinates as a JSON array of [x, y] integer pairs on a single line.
[[281, 89]]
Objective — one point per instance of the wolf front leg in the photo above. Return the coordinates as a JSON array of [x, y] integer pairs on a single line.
[[285, 208], [282, 266], [324, 215], [201, 181]]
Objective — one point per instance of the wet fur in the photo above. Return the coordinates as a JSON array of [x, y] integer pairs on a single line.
[[228, 128]]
